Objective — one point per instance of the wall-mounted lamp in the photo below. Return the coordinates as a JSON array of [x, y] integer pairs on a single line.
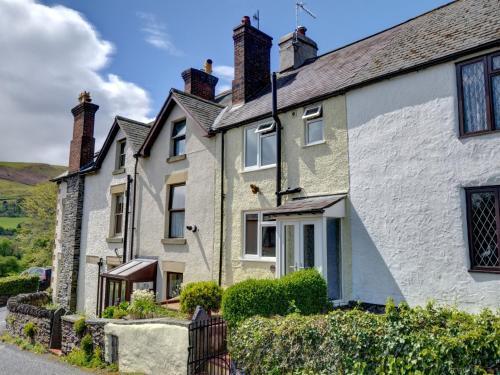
[[255, 189], [192, 228]]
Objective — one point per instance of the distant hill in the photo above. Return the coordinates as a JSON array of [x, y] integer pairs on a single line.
[[17, 179]]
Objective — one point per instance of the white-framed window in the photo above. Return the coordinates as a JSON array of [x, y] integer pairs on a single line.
[[121, 153], [260, 146], [118, 213], [259, 237], [314, 127]]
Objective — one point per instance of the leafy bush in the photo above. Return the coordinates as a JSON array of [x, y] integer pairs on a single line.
[[29, 330], [86, 355], [303, 291], [80, 326], [143, 305], [421, 340], [9, 265], [14, 285], [87, 345], [206, 294], [116, 312]]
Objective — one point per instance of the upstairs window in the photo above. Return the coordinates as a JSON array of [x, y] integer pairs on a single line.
[[120, 154], [479, 95], [483, 221], [177, 208], [260, 237], [314, 130], [118, 208], [260, 146], [179, 138]]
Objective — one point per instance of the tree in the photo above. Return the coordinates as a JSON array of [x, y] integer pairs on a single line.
[[35, 238], [8, 266]]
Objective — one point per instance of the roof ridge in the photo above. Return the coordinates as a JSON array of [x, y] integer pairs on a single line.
[[177, 91], [118, 117], [375, 34]]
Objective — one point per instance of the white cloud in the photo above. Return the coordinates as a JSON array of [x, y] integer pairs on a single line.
[[225, 74], [156, 34], [49, 55]]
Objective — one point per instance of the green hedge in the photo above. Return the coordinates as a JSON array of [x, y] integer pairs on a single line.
[[14, 285], [206, 294], [303, 292], [403, 341]]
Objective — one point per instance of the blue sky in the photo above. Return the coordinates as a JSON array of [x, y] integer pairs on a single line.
[[189, 31]]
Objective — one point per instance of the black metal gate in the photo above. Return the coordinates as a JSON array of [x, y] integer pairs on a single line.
[[208, 353]]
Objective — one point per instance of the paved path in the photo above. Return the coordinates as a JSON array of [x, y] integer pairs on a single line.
[[14, 361]]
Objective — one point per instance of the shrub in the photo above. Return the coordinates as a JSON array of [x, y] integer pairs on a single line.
[[80, 326], [302, 292], [29, 330], [87, 345], [420, 340], [14, 285], [116, 312], [143, 305], [206, 294]]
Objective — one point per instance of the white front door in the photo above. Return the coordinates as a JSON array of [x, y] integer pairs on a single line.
[[300, 245]]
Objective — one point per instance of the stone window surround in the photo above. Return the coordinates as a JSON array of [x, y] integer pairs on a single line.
[[176, 178]]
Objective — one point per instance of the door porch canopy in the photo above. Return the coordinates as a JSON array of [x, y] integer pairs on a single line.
[[136, 270], [329, 206]]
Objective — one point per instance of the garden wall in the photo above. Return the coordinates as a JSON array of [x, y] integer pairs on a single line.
[[71, 340], [26, 308]]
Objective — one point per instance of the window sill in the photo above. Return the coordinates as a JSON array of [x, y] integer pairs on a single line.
[[473, 270], [314, 144], [173, 159], [479, 133], [114, 240], [259, 260], [255, 169], [173, 241], [118, 171]]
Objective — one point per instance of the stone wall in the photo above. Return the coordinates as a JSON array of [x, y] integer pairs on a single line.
[[70, 243], [26, 308], [3, 300], [71, 340]]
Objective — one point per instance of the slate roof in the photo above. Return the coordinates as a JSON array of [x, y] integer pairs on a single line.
[[135, 131], [439, 35], [203, 111], [310, 205]]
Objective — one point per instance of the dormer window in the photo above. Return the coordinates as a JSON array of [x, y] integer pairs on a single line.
[[179, 138], [120, 154], [314, 128]]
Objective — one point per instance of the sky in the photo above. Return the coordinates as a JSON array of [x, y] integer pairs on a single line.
[[129, 54]]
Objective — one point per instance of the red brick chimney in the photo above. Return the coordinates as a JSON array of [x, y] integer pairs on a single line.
[[83, 142], [252, 61], [200, 83]]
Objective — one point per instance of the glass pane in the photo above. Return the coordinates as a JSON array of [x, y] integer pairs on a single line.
[[251, 147], [177, 224], [474, 97], [178, 197], [314, 131], [118, 224], [495, 88], [251, 227], [484, 236], [179, 129], [268, 241], [333, 258], [268, 150], [174, 282], [289, 243], [179, 146], [496, 62], [308, 245]]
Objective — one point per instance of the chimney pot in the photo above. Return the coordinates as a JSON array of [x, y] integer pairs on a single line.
[[246, 20], [208, 66], [302, 30]]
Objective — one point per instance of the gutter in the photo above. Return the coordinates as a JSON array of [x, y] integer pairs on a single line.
[[132, 235], [277, 120], [222, 196]]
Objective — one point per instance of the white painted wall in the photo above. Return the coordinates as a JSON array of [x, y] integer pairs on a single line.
[[96, 223], [408, 169], [200, 164], [57, 254]]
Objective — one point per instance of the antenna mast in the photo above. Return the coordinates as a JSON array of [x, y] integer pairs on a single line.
[[256, 17], [301, 6]]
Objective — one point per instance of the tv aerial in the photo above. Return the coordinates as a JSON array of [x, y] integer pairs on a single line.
[[300, 6]]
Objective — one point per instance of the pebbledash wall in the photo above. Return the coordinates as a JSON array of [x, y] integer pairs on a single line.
[[317, 169], [95, 237], [193, 257], [408, 170]]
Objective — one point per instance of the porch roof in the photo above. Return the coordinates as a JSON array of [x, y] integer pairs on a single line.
[[302, 206], [136, 270]]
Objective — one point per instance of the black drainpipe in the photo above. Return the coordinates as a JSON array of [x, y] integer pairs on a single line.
[[278, 140], [132, 235], [99, 286], [221, 235], [127, 209]]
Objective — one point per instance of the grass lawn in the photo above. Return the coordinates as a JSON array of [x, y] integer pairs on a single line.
[[11, 222]]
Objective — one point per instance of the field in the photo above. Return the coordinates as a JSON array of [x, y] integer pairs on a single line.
[[10, 190], [11, 222]]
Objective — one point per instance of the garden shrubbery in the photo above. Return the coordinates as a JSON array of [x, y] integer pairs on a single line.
[[302, 292], [206, 294], [14, 285], [430, 340]]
